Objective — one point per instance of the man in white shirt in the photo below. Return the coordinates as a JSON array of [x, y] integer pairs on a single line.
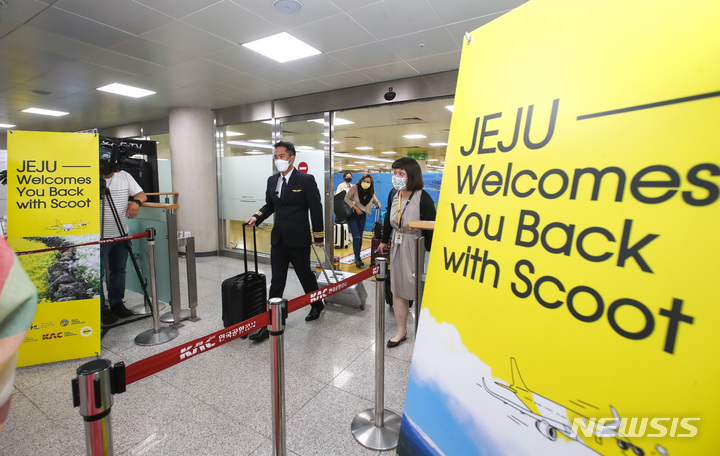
[[127, 197]]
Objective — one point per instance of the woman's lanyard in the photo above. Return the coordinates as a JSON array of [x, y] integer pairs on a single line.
[[401, 213]]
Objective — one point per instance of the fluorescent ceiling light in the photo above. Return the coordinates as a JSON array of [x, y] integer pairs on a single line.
[[363, 157], [334, 142], [389, 152], [432, 159], [255, 152], [338, 121], [414, 136], [45, 112], [437, 144], [233, 133], [126, 90], [249, 144], [260, 140], [6, 126], [364, 148], [450, 108], [359, 163], [282, 47]]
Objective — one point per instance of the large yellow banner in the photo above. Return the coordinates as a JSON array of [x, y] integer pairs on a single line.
[[572, 301], [53, 206]]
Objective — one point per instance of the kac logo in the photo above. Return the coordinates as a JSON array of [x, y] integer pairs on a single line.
[[52, 336], [319, 294]]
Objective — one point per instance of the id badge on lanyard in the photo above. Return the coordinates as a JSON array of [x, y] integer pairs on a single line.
[[398, 238]]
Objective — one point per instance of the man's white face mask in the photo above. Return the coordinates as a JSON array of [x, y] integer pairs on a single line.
[[282, 165]]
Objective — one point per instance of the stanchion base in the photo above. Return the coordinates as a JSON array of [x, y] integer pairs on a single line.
[[170, 318], [142, 309], [376, 438], [150, 337]]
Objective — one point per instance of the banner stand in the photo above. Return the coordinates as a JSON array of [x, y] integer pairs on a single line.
[[378, 428]]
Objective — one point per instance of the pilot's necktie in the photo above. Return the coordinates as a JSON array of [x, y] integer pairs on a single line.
[[283, 189]]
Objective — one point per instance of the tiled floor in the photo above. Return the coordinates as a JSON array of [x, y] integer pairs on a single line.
[[219, 403]]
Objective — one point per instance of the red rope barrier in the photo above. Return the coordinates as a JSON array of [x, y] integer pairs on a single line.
[[161, 361], [102, 241]]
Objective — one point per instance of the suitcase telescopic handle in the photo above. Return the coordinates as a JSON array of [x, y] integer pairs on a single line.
[[245, 248], [312, 246]]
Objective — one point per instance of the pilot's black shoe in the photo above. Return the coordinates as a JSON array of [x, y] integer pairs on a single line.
[[260, 335]]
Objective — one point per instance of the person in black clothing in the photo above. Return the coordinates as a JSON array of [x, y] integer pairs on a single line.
[[291, 195], [408, 201]]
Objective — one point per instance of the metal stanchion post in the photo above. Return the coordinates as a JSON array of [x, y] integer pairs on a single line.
[[93, 390], [156, 335], [378, 428], [278, 314]]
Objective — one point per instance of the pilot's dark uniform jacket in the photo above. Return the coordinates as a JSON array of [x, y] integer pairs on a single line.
[[294, 208]]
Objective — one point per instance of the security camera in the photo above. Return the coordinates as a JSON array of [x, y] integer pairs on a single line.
[[390, 95]]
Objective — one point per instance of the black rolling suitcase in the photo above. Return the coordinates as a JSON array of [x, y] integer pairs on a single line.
[[245, 295]]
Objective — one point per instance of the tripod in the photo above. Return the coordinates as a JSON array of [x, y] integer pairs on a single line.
[[106, 196]]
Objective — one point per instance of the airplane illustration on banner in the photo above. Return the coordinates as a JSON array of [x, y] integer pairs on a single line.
[[66, 226], [552, 418]]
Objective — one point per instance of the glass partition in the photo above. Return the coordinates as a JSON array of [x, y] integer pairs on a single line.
[[245, 163]]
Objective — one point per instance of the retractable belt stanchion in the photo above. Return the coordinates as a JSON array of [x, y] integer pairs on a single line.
[[93, 388], [156, 335], [278, 315], [378, 428]]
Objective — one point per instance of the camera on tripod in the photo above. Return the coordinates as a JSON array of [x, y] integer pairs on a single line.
[[117, 155]]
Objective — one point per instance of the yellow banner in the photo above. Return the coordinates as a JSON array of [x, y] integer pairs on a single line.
[[62, 330], [53, 184], [576, 251], [53, 204]]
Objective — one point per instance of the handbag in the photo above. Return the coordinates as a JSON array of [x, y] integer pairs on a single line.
[[341, 208]]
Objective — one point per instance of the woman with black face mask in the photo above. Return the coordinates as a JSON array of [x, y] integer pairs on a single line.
[[345, 184], [360, 198]]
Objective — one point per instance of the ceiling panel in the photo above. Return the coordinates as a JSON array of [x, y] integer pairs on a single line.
[[232, 22], [177, 8], [388, 72], [29, 38], [78, 28], [318, 66], [451, 11], [389, 19], [436, 63], [130, 16], [422, 44], [366, 56], [15, 15], [186, 38], [143, 49], [122, 62], [333, 33]]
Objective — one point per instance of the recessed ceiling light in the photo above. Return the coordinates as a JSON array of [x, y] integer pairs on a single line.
[[45, 112], [260, 140], [254, 152], [233, 133], [282, 47], [334, 142], [437, 144], [6, 126], [389, 152], [337, 122], [414, 136], [126, 90], [433, 159], [450, 108], [364, 148]]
